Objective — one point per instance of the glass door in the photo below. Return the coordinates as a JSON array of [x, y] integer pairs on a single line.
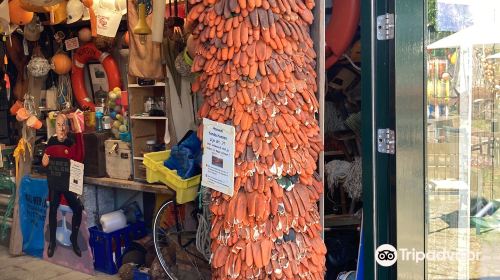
[[462, 142], [447, 115], [462, 139]]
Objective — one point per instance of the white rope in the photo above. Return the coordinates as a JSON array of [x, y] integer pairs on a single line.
[[203, 231], [345, 174], [336, 171], [352, 183], [64, 92], [352, 62]]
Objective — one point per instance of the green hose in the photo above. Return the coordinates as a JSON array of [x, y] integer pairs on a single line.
[[6, 183]]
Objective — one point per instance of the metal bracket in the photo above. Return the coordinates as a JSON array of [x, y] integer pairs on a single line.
[[385, 27], [386, 141]]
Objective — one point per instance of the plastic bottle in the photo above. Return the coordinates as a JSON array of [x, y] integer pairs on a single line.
[[98, 123], [148, 105], [162, 106], [106, 122]]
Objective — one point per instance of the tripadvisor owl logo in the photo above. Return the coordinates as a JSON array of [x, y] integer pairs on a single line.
[[386, 255]]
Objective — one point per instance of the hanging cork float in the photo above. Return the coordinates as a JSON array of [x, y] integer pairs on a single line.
[[256, 62]]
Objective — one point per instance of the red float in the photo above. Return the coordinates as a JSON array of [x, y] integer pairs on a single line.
[[341, 28], [83, 55]]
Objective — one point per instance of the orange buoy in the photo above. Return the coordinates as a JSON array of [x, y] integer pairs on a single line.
[[61, 63], [27, 5], [17, 14]]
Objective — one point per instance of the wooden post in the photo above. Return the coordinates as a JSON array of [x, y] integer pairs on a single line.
[[29, 134], [318, 33]]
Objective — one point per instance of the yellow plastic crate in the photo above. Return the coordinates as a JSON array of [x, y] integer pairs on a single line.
[[186, 190]]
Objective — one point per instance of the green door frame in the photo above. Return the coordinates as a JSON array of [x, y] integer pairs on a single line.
[[378, 112], [395, 102], [411, 134]]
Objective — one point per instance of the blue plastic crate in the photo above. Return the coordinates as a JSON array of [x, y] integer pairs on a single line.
[[107, 248], [141, 275]]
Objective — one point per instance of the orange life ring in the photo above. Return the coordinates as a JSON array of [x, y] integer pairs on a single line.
[[341, 28], [83, 55]]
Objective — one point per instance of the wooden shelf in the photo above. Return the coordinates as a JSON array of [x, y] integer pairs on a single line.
[[138, 95], [139, 169], [144, 128], [334, 153], [128, 185], [148, 118], [333, 220], [158, 84], [43, 109], [142, 132], [122, 184]]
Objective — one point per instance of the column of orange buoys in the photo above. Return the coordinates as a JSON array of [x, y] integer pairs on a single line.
[[256, 61]]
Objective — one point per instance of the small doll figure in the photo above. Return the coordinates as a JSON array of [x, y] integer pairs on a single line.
[[62, 148]]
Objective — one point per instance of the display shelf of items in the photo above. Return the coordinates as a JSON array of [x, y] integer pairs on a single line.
[[159, 84], [140, 117], [107, 182], [333, 220], [342, 139], [129, 185], [146, 127]]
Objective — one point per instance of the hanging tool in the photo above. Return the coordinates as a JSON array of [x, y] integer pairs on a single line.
[[142, 28]]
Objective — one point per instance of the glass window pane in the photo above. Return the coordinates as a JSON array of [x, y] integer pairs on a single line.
[[463, 139]]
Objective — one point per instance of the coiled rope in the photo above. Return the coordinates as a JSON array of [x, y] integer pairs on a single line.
[[203, 231]]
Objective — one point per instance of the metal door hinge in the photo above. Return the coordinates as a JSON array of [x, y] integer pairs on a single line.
[[386, 141], [385, 27]]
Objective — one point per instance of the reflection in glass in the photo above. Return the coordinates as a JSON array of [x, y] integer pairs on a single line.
[[463, 139]]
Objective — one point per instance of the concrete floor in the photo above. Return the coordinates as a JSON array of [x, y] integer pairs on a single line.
[[445, 236], [30, 268]]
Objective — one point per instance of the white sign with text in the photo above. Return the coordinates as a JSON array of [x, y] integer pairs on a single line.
[[76, 177], [218, 156]]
